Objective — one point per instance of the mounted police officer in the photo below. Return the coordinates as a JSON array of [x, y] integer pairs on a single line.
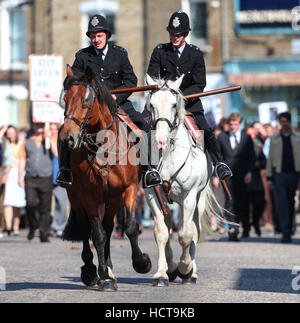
[[169, 61], [111, 65]]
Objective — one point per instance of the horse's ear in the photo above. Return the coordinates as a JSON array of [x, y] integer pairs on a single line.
[[69, 71], [149, 80], [176, 85]]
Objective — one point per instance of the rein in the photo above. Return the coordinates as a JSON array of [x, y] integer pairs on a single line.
[[166, 185]]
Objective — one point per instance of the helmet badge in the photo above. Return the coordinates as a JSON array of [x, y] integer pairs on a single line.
[[176, 22], [95, 21]]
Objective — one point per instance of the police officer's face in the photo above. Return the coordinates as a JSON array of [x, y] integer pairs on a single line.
[[98, 39], [178, 40]]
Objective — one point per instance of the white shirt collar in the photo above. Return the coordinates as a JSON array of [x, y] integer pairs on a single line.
[[180, 49], [237, 135], [104, 51]]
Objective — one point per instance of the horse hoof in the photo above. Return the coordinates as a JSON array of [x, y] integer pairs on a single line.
[[172, 275], [185, 276], [89, 275], [108, 285], [143, 265], [189, 281], [161, 282]]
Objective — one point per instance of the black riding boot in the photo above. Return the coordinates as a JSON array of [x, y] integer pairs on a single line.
[[222, 170], [151, 176], [64, 177]]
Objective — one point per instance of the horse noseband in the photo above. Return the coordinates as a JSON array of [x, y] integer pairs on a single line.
[[173, 125]]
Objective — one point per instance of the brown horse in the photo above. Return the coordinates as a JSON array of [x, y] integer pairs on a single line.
[[98, 185]]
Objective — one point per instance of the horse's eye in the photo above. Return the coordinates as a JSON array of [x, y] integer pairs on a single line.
[[174, 105]]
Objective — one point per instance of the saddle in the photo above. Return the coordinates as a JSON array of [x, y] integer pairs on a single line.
[[129, 123], [190, 124]]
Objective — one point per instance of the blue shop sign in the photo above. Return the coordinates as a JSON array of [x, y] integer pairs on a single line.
[[267, 17]]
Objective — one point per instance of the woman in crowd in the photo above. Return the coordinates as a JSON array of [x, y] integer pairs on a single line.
[[14, 198]]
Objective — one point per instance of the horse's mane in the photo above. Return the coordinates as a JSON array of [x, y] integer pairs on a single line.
[[103, 93], [161, 83]]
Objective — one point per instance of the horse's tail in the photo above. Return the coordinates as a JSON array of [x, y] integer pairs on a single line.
[[72, 230], [212, 214]]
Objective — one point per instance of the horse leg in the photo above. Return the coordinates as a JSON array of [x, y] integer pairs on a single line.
[[161, 235], [172, 266], [185, 236], [140, 261], [89, 271], [77, 229], [108, 224], [107, 280]]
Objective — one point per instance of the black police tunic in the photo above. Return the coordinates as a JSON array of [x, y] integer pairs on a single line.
[[164, 63], [115, 72]]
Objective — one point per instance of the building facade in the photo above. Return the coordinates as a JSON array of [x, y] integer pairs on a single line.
[[261, 52], [248, 42]]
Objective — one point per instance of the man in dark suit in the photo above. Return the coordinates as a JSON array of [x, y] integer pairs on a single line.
[[171, 60], [238, 152], [111, 66]]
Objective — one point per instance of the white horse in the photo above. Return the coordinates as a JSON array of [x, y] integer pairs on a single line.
[[190, 169]]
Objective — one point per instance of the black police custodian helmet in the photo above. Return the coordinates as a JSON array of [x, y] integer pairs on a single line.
[[179, 23], [98, 23]]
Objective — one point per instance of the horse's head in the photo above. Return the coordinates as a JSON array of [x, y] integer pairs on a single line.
[[166, 106], [78, 99]]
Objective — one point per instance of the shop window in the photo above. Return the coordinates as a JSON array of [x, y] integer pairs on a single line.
[[198, 15], [17, 36]]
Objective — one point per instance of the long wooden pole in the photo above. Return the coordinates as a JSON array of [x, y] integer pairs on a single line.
[[135, 89], [213, 92], [187, 97]]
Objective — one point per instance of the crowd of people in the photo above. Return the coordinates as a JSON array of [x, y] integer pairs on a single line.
[[265, 162], [29, 164]]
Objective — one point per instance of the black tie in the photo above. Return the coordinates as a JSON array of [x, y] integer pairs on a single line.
[[100, 55], [236, 143]]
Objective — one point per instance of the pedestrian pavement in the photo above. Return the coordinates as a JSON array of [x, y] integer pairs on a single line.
[[256, 269]]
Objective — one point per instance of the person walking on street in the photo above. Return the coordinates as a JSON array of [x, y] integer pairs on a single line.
[[238, 152], [60, 193], [283, 168], [36, 160], [14, 197]]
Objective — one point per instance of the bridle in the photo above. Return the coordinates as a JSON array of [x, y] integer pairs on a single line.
[[89, 91], [171, 125], [88, 100]]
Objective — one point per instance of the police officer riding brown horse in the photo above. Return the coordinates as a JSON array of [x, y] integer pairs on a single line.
[[110, 65]]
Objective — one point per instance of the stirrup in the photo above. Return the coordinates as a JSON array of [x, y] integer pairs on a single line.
[[149, 171], [62, 181], [229, 173]]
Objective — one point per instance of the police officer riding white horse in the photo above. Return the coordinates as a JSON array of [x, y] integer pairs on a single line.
[[111, 65], [171, 60]]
